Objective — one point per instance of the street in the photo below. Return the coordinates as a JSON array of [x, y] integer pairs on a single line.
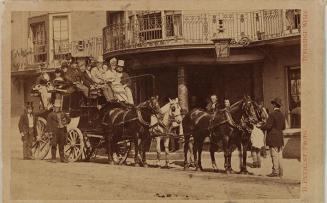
[[96, 180]]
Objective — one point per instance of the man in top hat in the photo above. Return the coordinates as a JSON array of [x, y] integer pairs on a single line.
[[122, 84], [275, 125], [27, 129], [56, 124]]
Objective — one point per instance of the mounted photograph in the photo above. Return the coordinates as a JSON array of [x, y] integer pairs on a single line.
[[156, 105]]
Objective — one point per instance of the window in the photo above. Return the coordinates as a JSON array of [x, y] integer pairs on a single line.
[[150, 26], [39, 41], [294, 89], [61, 36], [293, 17], [173, 24]]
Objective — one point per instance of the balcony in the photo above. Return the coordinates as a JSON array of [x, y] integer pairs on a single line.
[[179, 29], [32, 58]]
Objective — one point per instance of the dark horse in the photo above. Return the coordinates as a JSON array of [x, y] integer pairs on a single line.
[[130, 124], [227, 125]]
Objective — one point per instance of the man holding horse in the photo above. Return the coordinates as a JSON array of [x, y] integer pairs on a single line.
[[275, 126]]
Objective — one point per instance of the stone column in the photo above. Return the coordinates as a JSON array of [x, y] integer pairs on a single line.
[[182, 94], [182, 87], [258, 81]]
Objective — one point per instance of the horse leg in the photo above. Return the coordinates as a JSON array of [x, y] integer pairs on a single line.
[[143, 150], [200, 154], [166, 144], [244, 153], [195, 154], [136, 146], [226, 151], [212, 156], [186, 148], [158, 139], [190, 146]]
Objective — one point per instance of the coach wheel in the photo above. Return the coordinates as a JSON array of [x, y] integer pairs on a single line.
[[75, 144], [41, 144], [122, 152]]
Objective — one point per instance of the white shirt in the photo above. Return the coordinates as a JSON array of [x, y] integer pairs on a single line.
[[30, 120]]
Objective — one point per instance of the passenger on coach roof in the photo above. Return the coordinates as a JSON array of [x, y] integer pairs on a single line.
[[97, 77], [122, 84]]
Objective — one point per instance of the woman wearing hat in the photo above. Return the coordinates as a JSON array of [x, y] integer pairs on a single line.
[[97, 77], [275, 125], [27, 129]]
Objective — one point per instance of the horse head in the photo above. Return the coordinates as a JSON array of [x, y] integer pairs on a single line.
[[152, 105], [175, 110], [249, 110]]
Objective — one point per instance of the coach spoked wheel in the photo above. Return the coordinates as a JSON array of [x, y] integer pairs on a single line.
[[41, 143], [75, 144], [122, 150]]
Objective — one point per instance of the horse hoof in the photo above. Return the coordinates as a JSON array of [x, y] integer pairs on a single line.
[[137, 165], [145, 165]]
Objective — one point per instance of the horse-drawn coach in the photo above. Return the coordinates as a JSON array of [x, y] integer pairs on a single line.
[[115, 126]]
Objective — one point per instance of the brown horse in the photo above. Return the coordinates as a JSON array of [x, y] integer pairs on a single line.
[[130, 124], [226, 125]]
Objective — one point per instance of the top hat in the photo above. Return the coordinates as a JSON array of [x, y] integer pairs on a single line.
[[277, 101], [29, 105], [121, 63]]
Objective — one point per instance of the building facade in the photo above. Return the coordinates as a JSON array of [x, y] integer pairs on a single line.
[[177, 48], [44, 39]]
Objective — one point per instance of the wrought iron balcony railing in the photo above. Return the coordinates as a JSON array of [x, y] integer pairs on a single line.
[[32, 58], [154, 29]]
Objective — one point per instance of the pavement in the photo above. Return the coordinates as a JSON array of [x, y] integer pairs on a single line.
[[40, 179]]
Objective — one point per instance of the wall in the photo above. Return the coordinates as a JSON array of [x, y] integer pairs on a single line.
[[274, 74], [87, 24], [17, 97]]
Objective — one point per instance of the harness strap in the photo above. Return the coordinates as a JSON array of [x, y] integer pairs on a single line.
[[140, 118], [116, 113]]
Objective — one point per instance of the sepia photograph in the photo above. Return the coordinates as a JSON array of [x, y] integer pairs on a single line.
[[156, 104]]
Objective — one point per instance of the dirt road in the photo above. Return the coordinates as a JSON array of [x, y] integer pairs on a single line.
[[38, 180], [59, 181]]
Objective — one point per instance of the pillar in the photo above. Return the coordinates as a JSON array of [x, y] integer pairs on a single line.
[[182, 87], [182, 92], [257, 81]]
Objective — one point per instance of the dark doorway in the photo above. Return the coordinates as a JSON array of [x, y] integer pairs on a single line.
[[226, 81]]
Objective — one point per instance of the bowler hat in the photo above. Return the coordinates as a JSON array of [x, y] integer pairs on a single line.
[[277, 101]]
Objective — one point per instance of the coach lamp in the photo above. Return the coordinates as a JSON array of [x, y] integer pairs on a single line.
[[222, 47]]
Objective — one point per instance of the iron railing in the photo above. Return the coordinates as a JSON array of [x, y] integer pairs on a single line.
[[31, 58], [152, 30]]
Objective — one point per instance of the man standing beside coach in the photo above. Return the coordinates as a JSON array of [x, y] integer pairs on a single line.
[[274, 127]]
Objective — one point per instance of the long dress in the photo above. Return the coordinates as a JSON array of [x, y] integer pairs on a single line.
[[122, 92]]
